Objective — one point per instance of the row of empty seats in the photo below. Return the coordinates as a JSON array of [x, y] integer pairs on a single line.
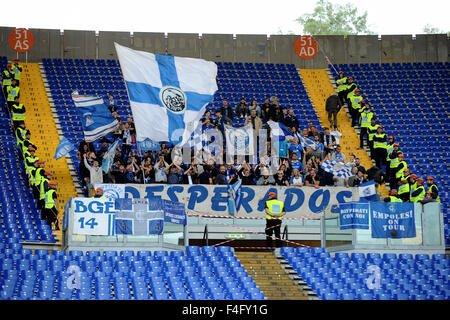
[[372, 276]]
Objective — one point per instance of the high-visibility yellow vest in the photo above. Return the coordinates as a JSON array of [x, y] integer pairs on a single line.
[[366, 118], [15, 115], [394, 163], [372, 130], [32, 175], [49, 202], [12, 92], [404, 188], [31, 160], [20, 135], [276, 207], [41, 188], [400, 172], [7, 78], [437, 189], [395, 199], [355, 101], [421, 195], [38, 176], [341, 84], [15, 69], [378, 144], [389, 149]]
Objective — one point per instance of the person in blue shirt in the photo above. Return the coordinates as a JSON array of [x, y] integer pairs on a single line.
[[296, 147], [338, 155], [296, 163]]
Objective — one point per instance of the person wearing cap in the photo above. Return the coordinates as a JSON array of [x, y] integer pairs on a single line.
[[371, 130], [21, 133], [350, 91], [43, 188], [275, 211], [402, 166], [98, 193], [7, 76], [379, 147], [389, 149], [418, 191], [365, 117], [393, 163], [433, 188], [16, 69], [26, 144], [428, 198], [30, 159], [355, 107], [50, 211], [17, 112], [37, 178], [393, 197], [341, 87], [12, 91], [332, 106], [404, 186]]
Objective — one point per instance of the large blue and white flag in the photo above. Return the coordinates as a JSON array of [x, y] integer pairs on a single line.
[[108, 158], [168, 95], [63, 148], [367, 192], [97, 121], [337, 168]]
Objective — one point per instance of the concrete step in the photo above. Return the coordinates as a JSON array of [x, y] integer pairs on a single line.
[[270, 277]]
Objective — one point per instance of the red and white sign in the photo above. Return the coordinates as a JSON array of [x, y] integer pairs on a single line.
[[306, 47], [21, 40]]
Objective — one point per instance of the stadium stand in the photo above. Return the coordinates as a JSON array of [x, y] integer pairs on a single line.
[[411, 102], [20, 219], [344, 276], [235, 80], [408, 100], [203, 273]]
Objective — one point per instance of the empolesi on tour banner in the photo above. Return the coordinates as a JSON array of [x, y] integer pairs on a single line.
[[304, 202]]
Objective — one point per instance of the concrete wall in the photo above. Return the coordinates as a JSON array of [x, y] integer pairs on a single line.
[[229, 48]]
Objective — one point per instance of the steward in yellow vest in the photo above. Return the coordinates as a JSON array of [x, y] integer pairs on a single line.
[[379, 147], [274, 214], [393, 197], [365, 118], [17, 112], [417, 191], [7, 76], [404, 187], [433, 188], [50, 211]]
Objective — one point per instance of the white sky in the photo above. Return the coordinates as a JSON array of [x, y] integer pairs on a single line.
[[212, 16]]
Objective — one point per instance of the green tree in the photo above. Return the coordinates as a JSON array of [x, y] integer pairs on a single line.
[[429, 29], [329, 19]]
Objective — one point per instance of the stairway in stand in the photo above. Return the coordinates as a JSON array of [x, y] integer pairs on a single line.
[[273, 281], [40, 121], [319, 88]]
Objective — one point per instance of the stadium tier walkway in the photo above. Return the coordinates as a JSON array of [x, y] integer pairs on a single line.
[[40, 121], [269, 276], [319, 88]]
